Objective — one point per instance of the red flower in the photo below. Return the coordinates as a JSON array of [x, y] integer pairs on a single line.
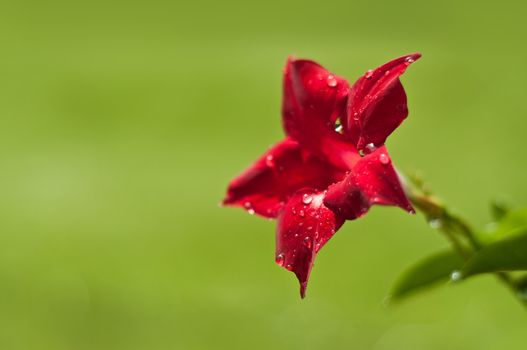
[[333, 165]]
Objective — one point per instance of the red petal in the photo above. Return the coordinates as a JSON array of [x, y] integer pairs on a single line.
[[373, 180], [377, 103], [278, 174], [314, 99], [304, 226]]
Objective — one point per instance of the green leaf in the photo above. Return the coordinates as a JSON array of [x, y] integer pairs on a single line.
[[512, 223], [508, 254], [426, 273]]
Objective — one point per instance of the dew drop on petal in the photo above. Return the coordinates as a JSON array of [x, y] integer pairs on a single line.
[[387, 72], [331, 80], [280, 259], [409, 60], [307, 242], [369, 74], [289, 267], [307, 198], [384, 159], [269, 161], [249, 207], [371, 147], [301, 213]]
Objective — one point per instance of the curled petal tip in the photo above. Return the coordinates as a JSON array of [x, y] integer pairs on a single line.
[[303, 287], [227, 201], [377, 103], [411, 58]]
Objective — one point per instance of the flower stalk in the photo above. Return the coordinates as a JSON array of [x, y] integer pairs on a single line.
[[456, 230]]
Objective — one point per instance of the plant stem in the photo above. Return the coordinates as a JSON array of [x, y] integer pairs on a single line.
[[454, 227]]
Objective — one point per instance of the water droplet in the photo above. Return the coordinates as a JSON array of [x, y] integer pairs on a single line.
[[387, 72], [289, 267], [307, 242], [269, 161], [409, 59], [280, 259], [301, 213], [249, 207], [370, 147], [332, 82], [435, 223], [369, 74], [384, 159], [456, 276], [310, 228], [356, 116], [307, 198], [317, 247]]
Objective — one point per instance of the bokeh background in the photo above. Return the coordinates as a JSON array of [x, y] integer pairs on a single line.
[[121, 122]]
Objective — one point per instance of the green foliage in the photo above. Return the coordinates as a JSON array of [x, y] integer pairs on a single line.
[[509, 224], [509, 254], [428, 272], [502, 246]]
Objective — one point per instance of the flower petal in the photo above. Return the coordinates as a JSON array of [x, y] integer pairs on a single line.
[[314, 99], [373, 180], [278, 174], [304, 226], [377, 103]]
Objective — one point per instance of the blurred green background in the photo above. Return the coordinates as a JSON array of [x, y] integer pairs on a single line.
[[121, 123]]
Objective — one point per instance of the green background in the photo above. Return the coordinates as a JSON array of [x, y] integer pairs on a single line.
[[122, 122]]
